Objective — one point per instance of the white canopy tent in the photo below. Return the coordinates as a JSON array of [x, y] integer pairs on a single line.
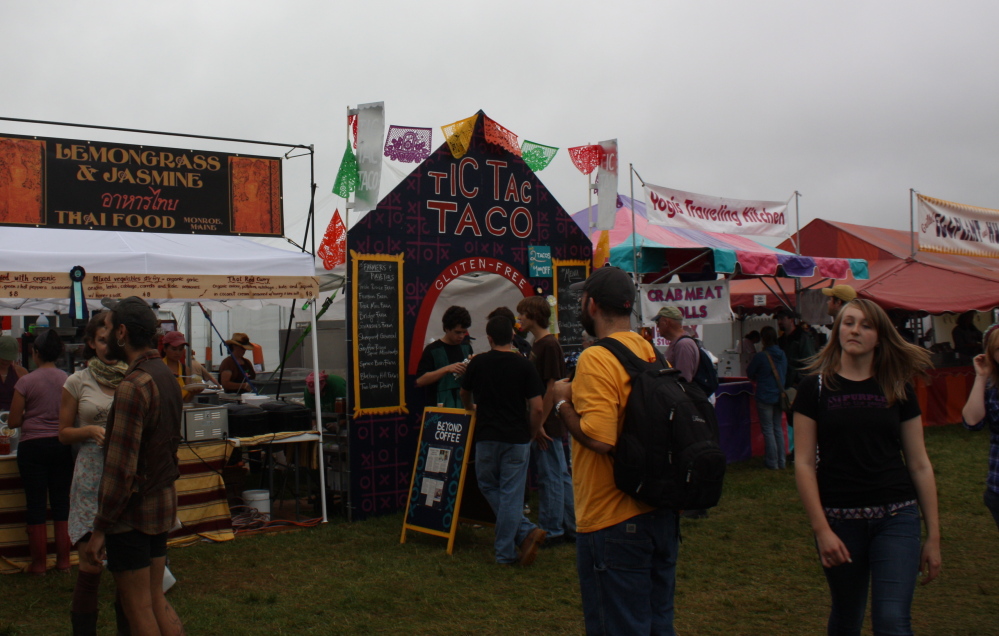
[[42, 250], [163, 268]]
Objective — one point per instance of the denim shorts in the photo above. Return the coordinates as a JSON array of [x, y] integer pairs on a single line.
[[134, 550]]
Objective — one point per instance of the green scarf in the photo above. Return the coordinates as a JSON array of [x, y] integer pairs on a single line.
[[108, 375]]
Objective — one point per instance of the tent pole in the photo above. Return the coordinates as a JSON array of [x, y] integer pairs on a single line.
[[589, 204], [797, 246], [312, 198], [785, 301], [634, 242], [319, 408], [188, 335], [209, 350], [152, 132], [912, 224]]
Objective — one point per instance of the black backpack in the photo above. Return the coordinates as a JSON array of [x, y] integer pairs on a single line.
[[706, 375], [667, 454]]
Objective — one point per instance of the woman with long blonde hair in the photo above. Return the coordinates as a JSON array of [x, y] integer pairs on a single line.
[[863, 473], [982, 408]]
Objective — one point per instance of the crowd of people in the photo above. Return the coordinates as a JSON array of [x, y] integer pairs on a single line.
[[99, 449], [861, 466]]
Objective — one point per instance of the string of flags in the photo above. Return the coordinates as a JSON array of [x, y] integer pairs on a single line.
[[411, 144]]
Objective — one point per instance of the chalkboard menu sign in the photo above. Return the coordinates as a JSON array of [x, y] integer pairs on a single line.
[[378, 337], [439, 473], [570, 327]]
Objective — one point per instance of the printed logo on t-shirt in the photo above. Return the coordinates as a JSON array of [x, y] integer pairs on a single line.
[[856, 401], [102, 413]]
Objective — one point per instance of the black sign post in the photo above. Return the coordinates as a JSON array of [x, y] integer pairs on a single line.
[[439, 473], [570, 327]]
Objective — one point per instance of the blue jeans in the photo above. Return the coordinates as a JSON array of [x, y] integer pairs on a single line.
[[885, 554], [992, 503], [556, 514], [627, 575], [773, 433], [501, 469]]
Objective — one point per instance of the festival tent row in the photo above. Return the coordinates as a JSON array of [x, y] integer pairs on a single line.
[[697, 255], [923, 282], [219, 271]]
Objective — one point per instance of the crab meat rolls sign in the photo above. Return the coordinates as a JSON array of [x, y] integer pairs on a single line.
[[71, 184]]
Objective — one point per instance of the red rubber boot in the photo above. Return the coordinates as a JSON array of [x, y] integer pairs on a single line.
[[63, 546], [38, 544]]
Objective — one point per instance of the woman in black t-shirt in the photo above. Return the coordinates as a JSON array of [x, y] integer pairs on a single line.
[[863, 473]]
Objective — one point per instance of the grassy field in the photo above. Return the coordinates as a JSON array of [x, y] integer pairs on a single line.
[[748, 569]]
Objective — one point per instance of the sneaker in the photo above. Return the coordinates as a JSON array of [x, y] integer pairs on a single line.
[[529, 546]]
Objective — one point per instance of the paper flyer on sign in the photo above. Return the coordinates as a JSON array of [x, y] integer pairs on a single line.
[[438, 459], [433, 490], [370, 139], [677, 208], [955, 228]]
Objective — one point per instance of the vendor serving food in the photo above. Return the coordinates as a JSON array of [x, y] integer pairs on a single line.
[[192, 381], [236, 369]]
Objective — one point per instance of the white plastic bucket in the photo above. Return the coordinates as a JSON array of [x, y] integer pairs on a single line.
[[259, 499]]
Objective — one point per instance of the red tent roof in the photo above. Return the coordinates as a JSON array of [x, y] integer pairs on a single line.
[[927, 282]]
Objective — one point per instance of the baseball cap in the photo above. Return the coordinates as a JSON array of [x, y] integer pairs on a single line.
[[174, 339], [609, 286], [134, 313], [672, 313], [843, 292], [8, 348]]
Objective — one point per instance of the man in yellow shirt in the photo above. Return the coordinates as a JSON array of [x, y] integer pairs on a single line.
[[626, 550]]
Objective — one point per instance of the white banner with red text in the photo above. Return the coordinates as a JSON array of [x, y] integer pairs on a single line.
[[676, 208], [701, 303], [955, 228]]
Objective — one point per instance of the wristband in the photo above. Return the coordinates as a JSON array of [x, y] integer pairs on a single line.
[[558, 407]]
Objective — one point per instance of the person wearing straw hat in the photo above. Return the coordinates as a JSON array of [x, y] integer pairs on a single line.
[[838, 295], [235, 370]]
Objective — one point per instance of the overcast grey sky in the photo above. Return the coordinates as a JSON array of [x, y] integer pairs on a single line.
[[851, 103]]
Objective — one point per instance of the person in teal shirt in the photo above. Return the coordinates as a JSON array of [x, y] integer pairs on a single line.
[[444, 361]]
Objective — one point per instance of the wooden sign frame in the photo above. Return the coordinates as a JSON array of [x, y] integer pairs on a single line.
[[359, 407], [461, 452]]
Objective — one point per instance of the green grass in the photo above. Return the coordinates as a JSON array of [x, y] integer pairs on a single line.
[[748, 569]]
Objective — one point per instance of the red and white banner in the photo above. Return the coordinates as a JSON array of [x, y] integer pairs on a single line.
[[955, 228], [676, 208]]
